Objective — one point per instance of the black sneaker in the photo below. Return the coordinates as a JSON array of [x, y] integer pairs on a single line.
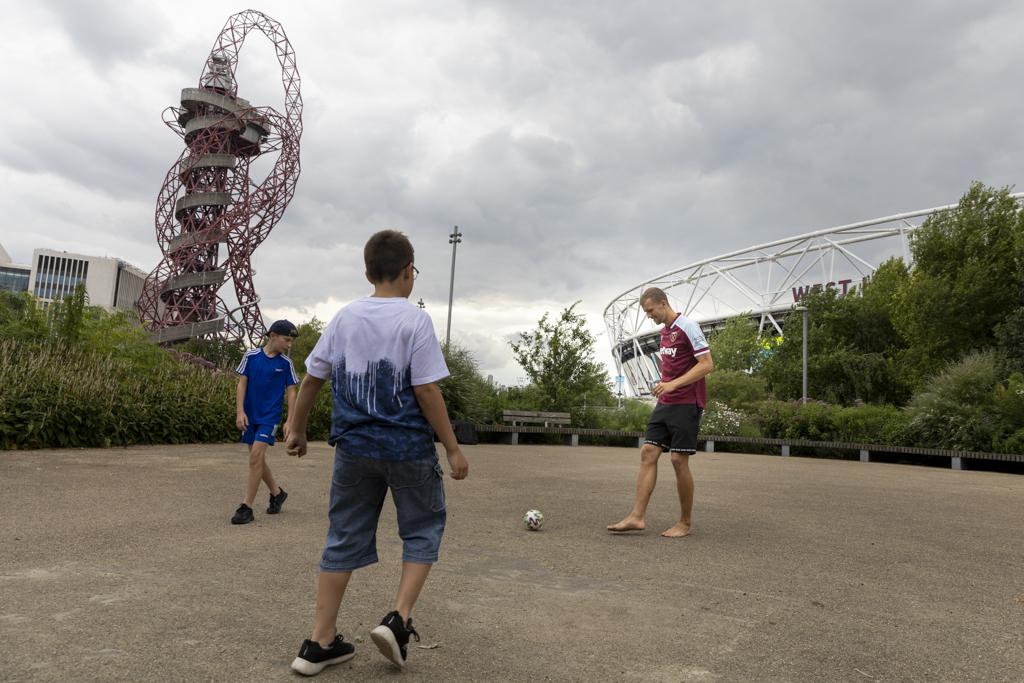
[[243, 515], [312, 658], [392, 637], [277, 501]]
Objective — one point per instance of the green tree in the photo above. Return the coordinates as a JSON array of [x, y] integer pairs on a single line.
[[853, 349], [967, 279], [309, 335], [736, 389], [558, 358], [69, 317], [226, 354], [467, 395], [736, 346], [1010, 343], [20, 318]]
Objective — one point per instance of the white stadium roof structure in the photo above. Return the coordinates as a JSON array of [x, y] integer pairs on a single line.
[[763, 282]]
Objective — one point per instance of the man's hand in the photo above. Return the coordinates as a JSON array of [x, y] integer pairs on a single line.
[[663, 388], [242, 421], [458, 464], [295, 444]]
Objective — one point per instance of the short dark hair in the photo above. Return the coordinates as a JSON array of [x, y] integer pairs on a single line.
[[655, 294], [386, 254]]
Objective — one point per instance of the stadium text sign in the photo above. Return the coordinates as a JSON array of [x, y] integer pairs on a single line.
[[799, 292]]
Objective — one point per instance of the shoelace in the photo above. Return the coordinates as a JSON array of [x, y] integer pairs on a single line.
[[411, 631]]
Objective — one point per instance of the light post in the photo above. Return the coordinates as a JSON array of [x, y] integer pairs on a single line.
[[803, 310], [453, 239]]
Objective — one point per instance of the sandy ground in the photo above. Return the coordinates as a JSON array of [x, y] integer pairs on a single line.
[[121, 565]]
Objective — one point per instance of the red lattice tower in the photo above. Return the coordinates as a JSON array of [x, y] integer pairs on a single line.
[[208, 199]]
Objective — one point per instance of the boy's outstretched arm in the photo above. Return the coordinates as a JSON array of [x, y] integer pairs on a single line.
[[295, 443], [432, 404]]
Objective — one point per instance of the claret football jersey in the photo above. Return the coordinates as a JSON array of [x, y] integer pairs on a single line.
[[682, 342]]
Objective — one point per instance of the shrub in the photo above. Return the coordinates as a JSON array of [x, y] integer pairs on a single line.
[[466, 393], [737, 389], [631, 417], [61, 396], [965, 408], [721, 420], [870, 424]]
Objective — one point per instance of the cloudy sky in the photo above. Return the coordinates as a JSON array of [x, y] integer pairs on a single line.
[[581, 147]]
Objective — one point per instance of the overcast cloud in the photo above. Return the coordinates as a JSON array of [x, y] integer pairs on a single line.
[[580, 146]]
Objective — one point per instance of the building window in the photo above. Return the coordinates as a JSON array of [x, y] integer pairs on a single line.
[[13, 279], [57, 277]]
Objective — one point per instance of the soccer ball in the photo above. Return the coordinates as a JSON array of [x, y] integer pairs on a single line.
[[533, 520]]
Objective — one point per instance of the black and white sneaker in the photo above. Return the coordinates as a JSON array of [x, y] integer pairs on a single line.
[[277, 501], [392, 637], [312, 658], [243, 515]]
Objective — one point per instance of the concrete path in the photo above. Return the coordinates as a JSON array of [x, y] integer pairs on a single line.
[[121, 565]]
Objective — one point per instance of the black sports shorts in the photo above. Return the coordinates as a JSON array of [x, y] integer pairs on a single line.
[[673, 427]]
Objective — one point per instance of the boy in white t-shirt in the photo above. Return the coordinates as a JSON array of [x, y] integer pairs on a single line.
[[384, 361]]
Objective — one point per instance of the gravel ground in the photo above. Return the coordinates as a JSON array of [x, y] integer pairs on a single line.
[[121, 565]]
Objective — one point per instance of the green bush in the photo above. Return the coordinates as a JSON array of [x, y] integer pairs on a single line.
[[1013, 443], [793, 420], [318, 426], [1009, 405], [966, 407], [823, 422], [467, 395], [736, 389], [722, 420], [879, 424], [631, 417], [61, 396]]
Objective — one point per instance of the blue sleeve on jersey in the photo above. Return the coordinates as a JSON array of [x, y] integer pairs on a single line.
[[697, 339]]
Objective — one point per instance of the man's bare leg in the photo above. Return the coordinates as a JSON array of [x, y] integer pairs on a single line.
[[414, 575], [645, 481], [329, 592], [684, 482], [257, 459]]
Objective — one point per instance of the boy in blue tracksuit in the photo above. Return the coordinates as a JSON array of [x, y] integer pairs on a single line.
[[383, 360], [266, 376]]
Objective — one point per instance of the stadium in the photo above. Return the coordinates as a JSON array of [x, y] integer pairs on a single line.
[[764, 282]]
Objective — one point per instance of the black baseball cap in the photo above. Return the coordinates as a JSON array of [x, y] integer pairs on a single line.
[[285, 328]]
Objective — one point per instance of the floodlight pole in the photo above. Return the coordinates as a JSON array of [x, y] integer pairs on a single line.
[[453, 239], [803, 310]]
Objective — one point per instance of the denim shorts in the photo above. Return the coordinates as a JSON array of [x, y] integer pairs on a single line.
[[358, 488]]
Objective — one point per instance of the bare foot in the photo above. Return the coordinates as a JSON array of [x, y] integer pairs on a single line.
[[678, 531], [628, 524]]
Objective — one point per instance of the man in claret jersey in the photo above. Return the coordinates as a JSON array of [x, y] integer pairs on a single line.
[[675, 421]]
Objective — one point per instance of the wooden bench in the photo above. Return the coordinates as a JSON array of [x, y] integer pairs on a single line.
[[516, 418]]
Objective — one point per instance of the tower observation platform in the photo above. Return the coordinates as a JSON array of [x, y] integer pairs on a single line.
[[211, 215]]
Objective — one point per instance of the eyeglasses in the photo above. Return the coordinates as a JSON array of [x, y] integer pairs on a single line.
[[415, 271]]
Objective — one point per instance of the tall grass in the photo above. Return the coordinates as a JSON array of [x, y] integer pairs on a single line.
[[57, 395]]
